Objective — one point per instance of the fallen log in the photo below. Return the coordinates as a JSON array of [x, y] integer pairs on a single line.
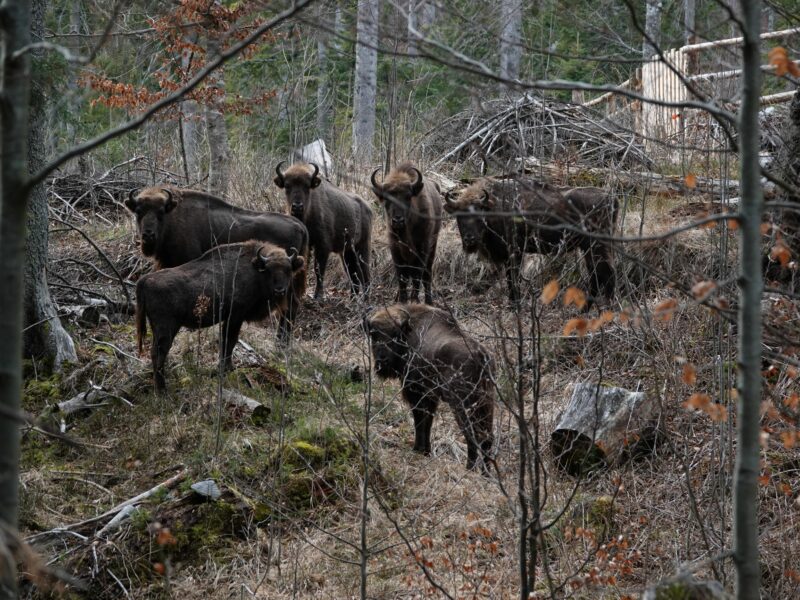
[[600, 425], [252, 409]]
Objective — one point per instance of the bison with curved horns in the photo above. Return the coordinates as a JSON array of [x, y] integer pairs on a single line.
[[436, 361], [178, 225], [232, 283], [413, 218], [337, 221], [549, 220]]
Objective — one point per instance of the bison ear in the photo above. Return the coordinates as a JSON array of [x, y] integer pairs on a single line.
[[298, 262], [416, 187], [487, 201], [131, 202], [278, 181]]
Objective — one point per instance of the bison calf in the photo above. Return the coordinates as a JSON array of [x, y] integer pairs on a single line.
[[436, 361], [413, 216], [232, 283], [337, 221]]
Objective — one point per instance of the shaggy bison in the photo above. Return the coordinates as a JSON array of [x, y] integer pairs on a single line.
[[436, 361], [337, 221], [232, 283], [413, 217], [178, 225], [552, 220]]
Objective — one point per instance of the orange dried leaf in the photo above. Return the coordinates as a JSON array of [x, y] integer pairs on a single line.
[[717, 412], [165, 537], [550, 291], [698, 401], [780, 253], [793, 401], [664, 310], [789, 439], [691, 181], [733, 224], [763, 479], [689, 376], [574, 296], [578, 325], [702, 289], [794, 70], [159, 568], [765, 228]]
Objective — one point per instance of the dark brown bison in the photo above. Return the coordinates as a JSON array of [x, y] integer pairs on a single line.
[[413, 217], [551, 220], [178, 225], [436, 361], [231, 283], [337, 221]]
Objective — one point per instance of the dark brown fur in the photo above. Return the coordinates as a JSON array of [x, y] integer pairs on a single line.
[[230, 283], [549, 225], [338, 222], [178, 225], [436, 361], [413, 218]]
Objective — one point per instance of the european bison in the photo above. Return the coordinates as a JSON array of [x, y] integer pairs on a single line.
[[337, 221], [413, 216], [553, 220], [436, 361], [233, 283], [178, 225]]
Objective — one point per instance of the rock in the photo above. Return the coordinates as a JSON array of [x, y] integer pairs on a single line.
[[208, 489]]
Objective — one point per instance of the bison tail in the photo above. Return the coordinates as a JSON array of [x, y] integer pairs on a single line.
[[141, 315]]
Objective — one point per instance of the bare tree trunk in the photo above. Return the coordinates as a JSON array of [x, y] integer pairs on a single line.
[[15, 27], [510, 38], [44, 336], [218, 149], [413, 26], [324, 98], [190, 129], [751, 283], [689, 21], [652, 28], [366, 79]]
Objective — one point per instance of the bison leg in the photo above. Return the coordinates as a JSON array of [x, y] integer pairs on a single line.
[[352, 266], [422, 410], [228, 339], [320, 264], [162, 342], [476, 425], [286, 320], [601, 272], [512, 279]]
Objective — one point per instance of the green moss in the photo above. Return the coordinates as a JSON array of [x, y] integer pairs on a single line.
[[40, 392]]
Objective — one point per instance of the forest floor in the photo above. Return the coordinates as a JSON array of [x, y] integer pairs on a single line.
[[291, 521]]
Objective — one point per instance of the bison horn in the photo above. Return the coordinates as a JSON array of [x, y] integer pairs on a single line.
[[131, 196], [278, 171], [168, 193], [292, 254], [264, 259], [448, 198], [372, 179], [419, 176], [316, 170], [485, 200]]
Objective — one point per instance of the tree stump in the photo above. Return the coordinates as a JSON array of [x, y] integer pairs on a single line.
[[599, 425]]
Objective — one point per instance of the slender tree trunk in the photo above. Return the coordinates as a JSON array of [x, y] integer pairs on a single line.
[[190, 128], [510, 38], [652, 28], [44, 336], [15, 27], [689, 21], [366, 79], [413, 25], [218, 149], [751, 283], [324, 92]]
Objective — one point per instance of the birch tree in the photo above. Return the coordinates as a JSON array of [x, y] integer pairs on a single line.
[[324, 99], [652, 28], [510, 38], [366, 79], [219, 155]]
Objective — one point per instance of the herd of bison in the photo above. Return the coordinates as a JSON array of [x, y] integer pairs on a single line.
[[217, 263]]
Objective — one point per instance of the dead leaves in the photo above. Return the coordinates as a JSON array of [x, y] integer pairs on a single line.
[[779, 58]]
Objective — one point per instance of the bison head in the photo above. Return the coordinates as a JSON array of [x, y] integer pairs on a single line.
[[470, 211], [298, 182], [278, 268], [396, 193], [388, 330], [150, 206]]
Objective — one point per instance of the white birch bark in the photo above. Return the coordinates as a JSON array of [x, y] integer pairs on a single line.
[[366, 79], [218, 149], [652, 28], [510, 38]]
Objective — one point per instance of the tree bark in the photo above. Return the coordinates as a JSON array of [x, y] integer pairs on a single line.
[[689, 21], [652, 29], [44, 336], [15, 27], [510, 38], [324, 91], [218, 149], [190, 128], [745, 483], [366, 79]]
